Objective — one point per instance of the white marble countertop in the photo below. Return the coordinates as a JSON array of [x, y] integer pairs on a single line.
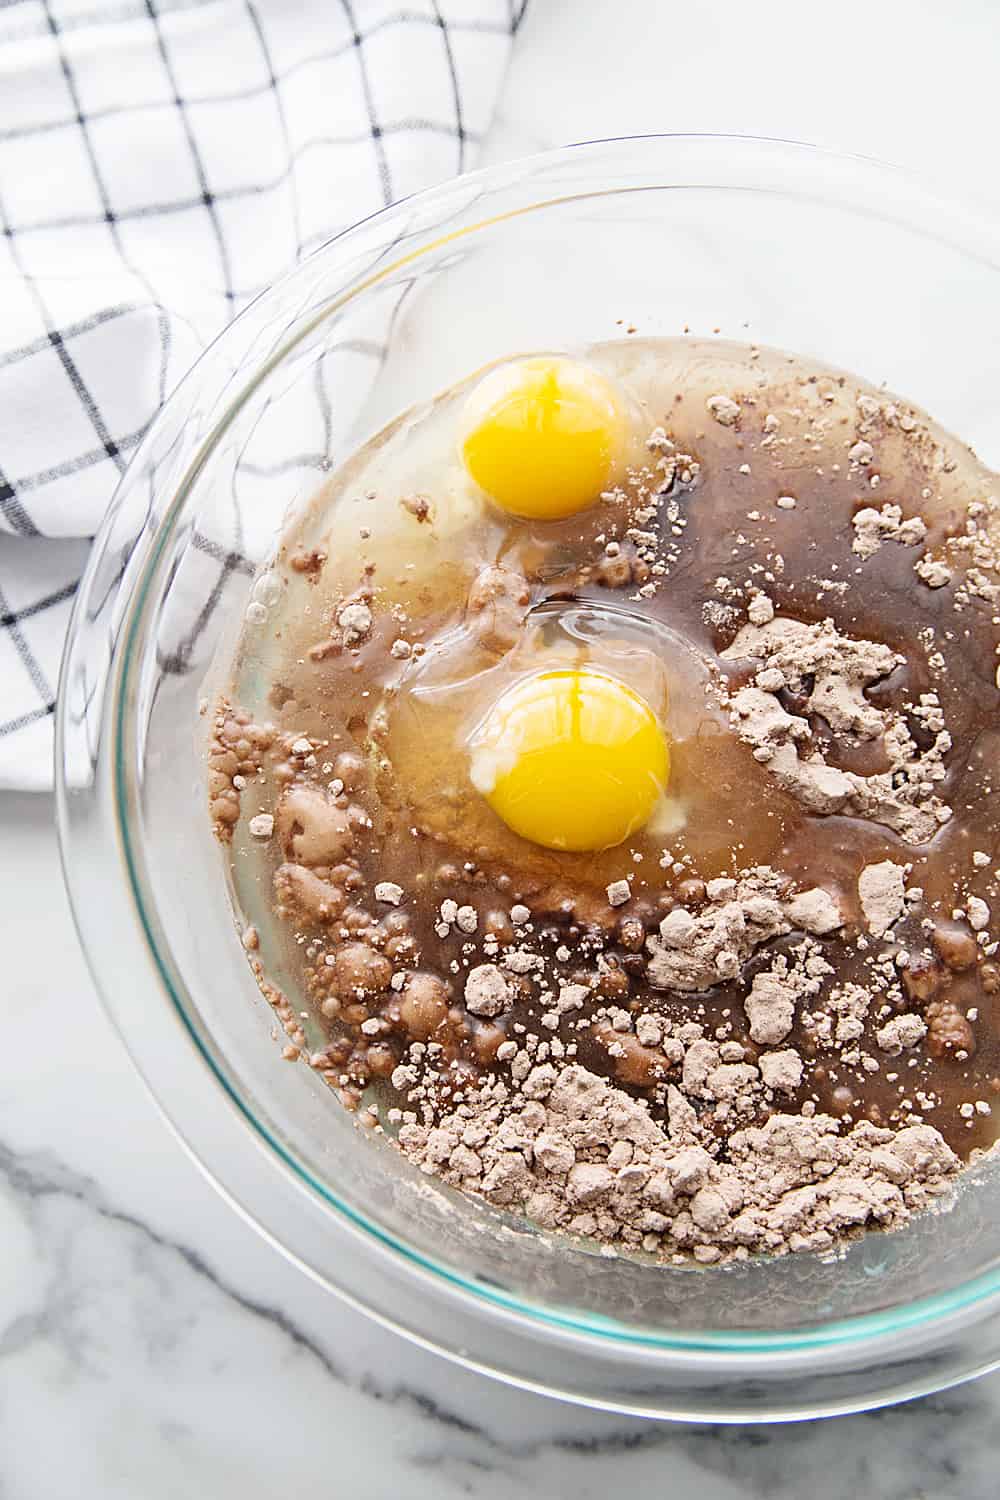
[[151, 1345]]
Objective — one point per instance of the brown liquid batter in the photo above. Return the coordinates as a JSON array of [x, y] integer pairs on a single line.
[[352, 727]]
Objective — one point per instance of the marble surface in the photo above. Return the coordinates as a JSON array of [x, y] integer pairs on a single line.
[[151, 1345]]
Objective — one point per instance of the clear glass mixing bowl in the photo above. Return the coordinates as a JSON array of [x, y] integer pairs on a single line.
[[831, 257]]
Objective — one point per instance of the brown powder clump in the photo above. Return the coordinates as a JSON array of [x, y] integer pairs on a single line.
[[873, 527], [575, 1153], [696, 951], [235, 753], [829, 673], [882, 890]]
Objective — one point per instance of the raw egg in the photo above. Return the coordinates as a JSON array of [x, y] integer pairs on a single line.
[[544, 436], [571, 759]]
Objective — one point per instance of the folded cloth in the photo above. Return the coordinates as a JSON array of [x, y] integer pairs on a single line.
[[161, 161]]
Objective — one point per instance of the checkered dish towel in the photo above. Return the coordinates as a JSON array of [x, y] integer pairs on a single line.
[[160, 163]]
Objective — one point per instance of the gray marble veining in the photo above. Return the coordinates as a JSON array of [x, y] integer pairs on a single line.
[[155, 1368]]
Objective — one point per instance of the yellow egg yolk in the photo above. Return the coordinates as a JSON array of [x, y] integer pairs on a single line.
[[543, 437], [571, 759]]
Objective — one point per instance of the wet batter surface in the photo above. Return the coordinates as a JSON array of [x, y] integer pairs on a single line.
[[767, 1016]]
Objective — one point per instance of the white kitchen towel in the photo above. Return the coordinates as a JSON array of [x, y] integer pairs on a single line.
[[161, 161]]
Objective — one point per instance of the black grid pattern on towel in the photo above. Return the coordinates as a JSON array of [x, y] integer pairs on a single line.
[[158, 167]]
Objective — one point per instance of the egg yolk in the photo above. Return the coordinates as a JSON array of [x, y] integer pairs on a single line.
[[543, 437], [571, 759]]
